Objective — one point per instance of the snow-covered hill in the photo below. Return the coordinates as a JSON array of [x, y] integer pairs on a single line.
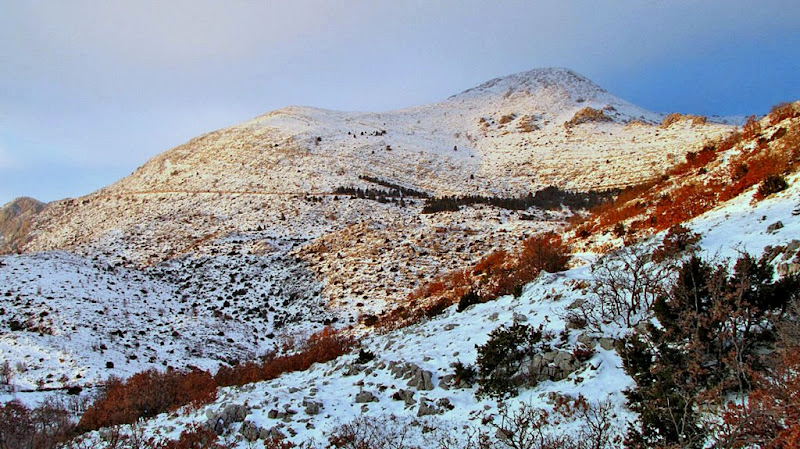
[[408, 390], [237, 241]]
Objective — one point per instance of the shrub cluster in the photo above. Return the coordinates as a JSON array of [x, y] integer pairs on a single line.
[[715, 324], [587, 115], [549, 198], [680, 195], [500, 360], [47, 426], [499, 273], [152, 392]]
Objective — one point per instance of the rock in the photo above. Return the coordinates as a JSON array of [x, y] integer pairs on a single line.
[[421, 380], [426, 409], [774, 227], [444, 403], [364, 397], [274, 414], [451, 326], [250, 431], [520, 318], [607, 343], [407, 396], [587, 340], [493, 317], [312, 408], [235, 413]]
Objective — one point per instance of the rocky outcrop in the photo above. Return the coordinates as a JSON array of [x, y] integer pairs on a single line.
[[16, 220]]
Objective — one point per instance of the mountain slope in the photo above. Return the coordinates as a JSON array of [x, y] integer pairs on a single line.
[[16, 218]]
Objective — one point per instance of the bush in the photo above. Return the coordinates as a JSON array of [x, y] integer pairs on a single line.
[[151, 392], [714, 327], [467, 300], [500, 359], [625, 285], [781, 112], [677, 241], [544, 252], [772, 184], [464, 373], [45, 427]]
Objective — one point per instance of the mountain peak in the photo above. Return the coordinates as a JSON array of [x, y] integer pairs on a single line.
[[547, 78]]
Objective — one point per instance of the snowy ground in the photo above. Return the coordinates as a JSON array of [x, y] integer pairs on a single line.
[[433, 345]]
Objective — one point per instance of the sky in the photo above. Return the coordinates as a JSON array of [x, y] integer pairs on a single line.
[[90, 90]]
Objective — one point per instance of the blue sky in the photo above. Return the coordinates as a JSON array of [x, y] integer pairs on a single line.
[[89, 90]]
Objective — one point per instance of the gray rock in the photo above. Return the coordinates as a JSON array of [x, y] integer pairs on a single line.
[[313, 408], [520, 318], [364, 397], [587, 340], [250, 431], [421, 380], [444, 403], [407, 396], [607, 343], [774, 227], [235, 413], [426, 409]]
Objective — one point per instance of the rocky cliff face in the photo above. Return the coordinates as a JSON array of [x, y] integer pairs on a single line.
[[16, 218]]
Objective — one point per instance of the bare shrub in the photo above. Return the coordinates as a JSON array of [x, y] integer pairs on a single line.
[[625, 286], [367, 432]]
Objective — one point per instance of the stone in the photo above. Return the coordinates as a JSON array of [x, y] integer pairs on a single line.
[[520, 318], [421, 380], [235, 413], [607, 343], [313, 408], [587, 340], [365, 396], [426, 409], [444, 403], [250, 431], [774, 227], [407, 396]]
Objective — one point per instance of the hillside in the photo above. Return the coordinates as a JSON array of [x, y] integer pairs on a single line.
[[287, 277], [16, 218]]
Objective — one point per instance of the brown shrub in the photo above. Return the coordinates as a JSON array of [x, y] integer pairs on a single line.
[[781, 112], [771, 417], [151, 392], [194, 437], [751, 128], [544, 252], [586, 115], [148, 394], [44, 427], [670, 119]]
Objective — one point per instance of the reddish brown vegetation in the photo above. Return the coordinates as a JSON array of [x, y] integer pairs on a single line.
[[781, 112], [701, 182], [45, 427], [152, 392], [147, 394], [321, 347], [499, 273], [771, 418], [194, 437]]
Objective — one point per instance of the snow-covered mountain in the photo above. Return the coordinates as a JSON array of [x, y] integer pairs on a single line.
[[244, 239]]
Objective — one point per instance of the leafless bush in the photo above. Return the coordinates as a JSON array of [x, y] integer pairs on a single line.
[[371, 433], [626, 283]]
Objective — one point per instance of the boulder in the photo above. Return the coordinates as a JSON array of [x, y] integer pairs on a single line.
[[364, 397]]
